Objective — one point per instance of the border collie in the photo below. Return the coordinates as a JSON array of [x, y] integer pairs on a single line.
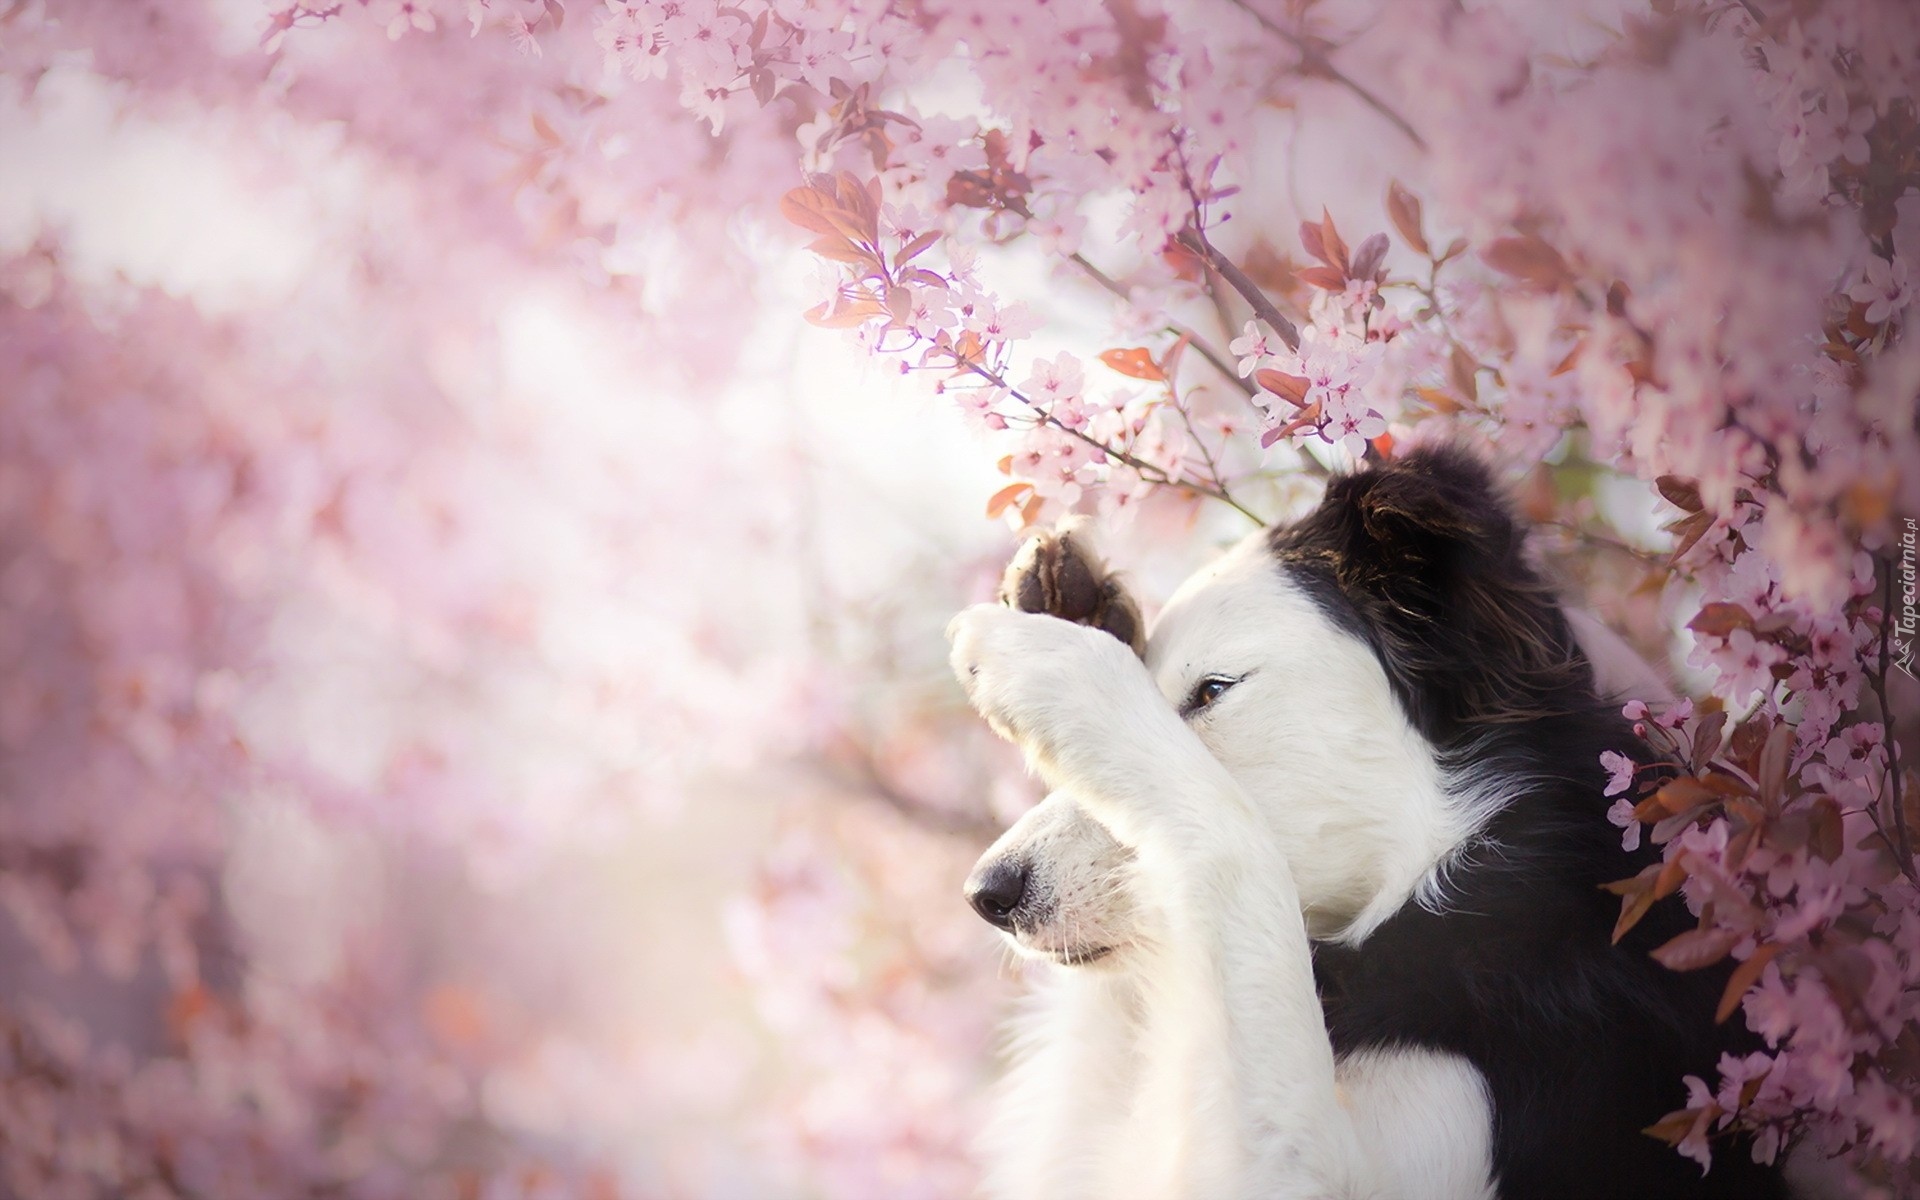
[[1320, 875]]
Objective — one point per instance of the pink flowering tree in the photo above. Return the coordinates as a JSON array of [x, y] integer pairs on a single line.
[[1169, 261]]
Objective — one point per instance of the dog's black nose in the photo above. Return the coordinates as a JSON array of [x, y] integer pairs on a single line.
[[997, 890]]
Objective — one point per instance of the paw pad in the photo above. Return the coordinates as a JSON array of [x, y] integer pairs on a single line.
[[1059, 574]]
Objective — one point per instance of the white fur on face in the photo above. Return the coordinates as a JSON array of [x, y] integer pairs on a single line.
[[1311, 731], [1313, 734], [1078, 907]]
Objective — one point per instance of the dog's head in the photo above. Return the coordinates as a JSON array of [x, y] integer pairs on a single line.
[[1341, 668]]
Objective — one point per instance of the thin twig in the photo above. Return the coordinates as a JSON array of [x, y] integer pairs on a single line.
[[1186, 419], [1608, 542], [1316, 61], [1214, 360], [1200, 345], [1178, 330], [1195, 240], [1150, 471]]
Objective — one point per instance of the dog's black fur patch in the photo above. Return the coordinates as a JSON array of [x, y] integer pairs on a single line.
[[1582, 1043]]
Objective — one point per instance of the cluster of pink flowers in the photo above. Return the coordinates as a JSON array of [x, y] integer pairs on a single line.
[[1676, 253]]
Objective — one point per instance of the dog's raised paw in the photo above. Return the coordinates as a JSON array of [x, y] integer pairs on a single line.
[[1031, 675], [1058, 573]]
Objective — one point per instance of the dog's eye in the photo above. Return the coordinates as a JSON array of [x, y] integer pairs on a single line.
[[1206, 692]]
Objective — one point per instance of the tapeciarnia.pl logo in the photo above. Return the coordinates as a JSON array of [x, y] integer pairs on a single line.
[[1905, 620]]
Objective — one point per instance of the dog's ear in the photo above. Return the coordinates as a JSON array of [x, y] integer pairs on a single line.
[[1059, 573], [1428, 549], [1437, 509]]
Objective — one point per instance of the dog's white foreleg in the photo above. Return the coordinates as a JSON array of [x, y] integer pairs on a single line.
[[1063, 1103], [1237, 1093]]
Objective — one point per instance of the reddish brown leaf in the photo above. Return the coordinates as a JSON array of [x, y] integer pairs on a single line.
[[1673, 873], [1306, 417], [807, 207], [839, 249], [1744, 977], [1329, 279], [1675, 1126], [1668, 828], [1635, 884], [1696, 948], [1530, 260], [1330, 241], [914, 249], [1867, 503], [1740, 843], [1403, 208], [1463, 373], [861, 204], [1676, 798], [1291, 388], [1440, 401], [1720, 619], [455, 1014], [965, 189], [189, 1006], [1690, 530], [1310, 239], [1706, 739], [899, 304], [1772, 776], [1681, 493], [1632, 909], [1136, 362], [1006, 497], [846, 317], [1369, 256], [1744, 746], [1727, 787], [1826, 835]]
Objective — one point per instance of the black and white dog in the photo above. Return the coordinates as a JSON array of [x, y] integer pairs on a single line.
[[1321, 874]]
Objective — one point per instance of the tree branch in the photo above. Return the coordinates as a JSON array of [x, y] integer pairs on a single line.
[[1151, 472], [1316, 62], [1195, 241], [1178, 330]]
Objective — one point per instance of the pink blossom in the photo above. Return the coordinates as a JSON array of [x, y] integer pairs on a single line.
[[1620, 770], [400, 16], [1251, 348], [1746, 664], [1883, 288], [1054, 381], [1620, 813]]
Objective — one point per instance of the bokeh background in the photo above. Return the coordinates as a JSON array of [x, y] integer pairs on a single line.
[[473, 711]]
